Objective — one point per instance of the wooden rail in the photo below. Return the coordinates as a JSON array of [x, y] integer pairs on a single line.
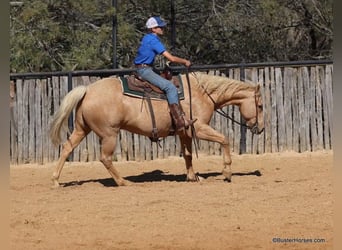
[[298, 110]]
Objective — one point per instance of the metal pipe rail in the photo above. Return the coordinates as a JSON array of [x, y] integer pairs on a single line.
[[125, 71]]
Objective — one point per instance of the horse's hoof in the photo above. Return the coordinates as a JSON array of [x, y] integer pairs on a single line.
[[55, 184], [125, 183], [227, 180], [199, 178], [191, 179], [228, 175], [195, 178]]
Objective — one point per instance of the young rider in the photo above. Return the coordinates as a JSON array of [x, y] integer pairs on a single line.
[[150, 47]]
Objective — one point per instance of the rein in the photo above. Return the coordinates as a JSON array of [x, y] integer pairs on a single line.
[[225, 115], [253, 128], [193, 132]]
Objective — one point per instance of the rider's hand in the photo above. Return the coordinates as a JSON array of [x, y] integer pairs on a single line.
[[187, 63]]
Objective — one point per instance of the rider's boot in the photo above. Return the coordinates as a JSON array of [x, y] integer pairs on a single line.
[[179, 118]]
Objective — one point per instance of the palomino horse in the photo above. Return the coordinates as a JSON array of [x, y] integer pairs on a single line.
[[104, 109]]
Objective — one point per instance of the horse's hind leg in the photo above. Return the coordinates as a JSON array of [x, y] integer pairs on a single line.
[[74, 140], [107, 148]]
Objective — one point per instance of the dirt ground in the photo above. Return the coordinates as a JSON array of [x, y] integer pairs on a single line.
[[275, 201]]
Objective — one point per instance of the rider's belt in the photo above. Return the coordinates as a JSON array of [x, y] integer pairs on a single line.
[[142, 65]]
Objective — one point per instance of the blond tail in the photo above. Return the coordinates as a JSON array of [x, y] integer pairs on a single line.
[[60, 119]]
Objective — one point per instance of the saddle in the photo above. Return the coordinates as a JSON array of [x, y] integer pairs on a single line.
[[133, 86]]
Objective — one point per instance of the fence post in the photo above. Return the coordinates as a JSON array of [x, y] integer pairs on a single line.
[[71, 117], [243, 129]]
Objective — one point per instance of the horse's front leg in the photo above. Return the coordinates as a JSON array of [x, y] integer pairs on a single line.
[[186, 145], [227, 161], [205, 132]]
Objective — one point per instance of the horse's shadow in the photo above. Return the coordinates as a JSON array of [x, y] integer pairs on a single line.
[[155, 176]]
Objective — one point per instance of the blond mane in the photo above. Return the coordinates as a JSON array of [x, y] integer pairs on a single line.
[[218, 84]]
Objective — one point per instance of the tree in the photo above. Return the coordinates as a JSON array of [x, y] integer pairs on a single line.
[[60, 35], [48, 35]]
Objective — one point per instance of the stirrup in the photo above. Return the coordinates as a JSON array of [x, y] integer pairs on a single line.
[[188, 123]]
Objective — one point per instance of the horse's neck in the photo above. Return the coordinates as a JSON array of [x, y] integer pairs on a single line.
[[234, 98]]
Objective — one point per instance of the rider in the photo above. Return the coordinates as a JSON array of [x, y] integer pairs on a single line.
[[150, 47]]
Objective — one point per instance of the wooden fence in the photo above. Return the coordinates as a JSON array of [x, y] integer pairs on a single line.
[[297, 107]]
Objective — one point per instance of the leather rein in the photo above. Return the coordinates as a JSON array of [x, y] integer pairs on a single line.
[[253, 128]]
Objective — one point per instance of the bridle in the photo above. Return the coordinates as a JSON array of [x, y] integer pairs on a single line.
[[254, 128]]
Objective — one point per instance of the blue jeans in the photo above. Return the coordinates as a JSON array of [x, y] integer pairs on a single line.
[[168, 87]]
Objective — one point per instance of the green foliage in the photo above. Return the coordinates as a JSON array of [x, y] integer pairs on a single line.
[[60, 35], [48, 35]]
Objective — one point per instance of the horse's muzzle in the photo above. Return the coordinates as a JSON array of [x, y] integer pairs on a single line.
[[255, 129]]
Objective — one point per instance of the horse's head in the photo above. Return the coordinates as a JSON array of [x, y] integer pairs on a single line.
[[251, 109]]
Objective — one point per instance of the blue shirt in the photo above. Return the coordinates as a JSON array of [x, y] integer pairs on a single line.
[[150, 46]]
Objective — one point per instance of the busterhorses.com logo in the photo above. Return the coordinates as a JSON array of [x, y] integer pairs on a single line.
[[297, 240]]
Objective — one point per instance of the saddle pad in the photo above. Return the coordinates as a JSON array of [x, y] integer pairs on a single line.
[[137, 88]]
